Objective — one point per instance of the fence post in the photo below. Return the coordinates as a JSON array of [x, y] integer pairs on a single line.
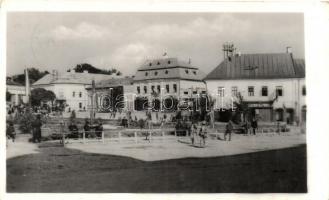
[[150, 132], [135, 134], [84, 137], [103, 138]]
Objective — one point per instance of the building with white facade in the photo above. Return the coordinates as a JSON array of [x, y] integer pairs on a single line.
[[273, 85], [70, 87], [168, 77], [17, 92]]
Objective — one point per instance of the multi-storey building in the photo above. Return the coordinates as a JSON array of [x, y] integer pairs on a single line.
[[168, 77], [273, 85]]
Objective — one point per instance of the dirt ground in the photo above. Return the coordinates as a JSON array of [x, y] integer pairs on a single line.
[[58, 169]]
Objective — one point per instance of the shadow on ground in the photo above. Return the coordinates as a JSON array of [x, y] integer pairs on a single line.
[[57, 169]]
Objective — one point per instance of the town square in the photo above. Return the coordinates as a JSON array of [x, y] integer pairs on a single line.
[[156, 103]]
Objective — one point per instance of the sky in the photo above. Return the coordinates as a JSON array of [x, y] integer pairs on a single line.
[[60, 41]]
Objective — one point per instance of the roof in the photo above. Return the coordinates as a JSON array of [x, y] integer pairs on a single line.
[[168, 68], [164, 63], [259, 66], [11, 82], [72, 78], [113, 82]]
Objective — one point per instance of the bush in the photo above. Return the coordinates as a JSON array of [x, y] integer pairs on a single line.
[[25, 122]]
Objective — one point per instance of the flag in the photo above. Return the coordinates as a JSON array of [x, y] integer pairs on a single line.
[[27, 86]]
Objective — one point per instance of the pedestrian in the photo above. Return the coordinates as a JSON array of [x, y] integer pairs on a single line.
[[254, 125], [10, 130], [203, 134], [36, 129], [246, 127], [228, 131], [86, 128], [99, 129], [194, 133]]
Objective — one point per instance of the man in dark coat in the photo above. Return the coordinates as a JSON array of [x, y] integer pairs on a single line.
[[254, 125], [228, 131], [36, 129]]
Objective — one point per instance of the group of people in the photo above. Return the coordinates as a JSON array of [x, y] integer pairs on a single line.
[[198, 134], [90, 130], [250, 127]]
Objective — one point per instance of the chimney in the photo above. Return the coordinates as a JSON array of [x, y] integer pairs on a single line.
[[54, 75], [289, 50]]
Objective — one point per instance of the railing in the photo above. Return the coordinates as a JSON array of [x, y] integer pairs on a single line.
[[132, 135]]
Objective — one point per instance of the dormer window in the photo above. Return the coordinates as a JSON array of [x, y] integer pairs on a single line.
[[158, 63], [194, 72], [169, 61], [150, 64], [166, 71], [146, 74], [186, 71], [155, 73]]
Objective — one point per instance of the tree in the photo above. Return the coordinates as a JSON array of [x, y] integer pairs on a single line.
[[8, 96], [91, 69], [40, 94], [34, 75], [242, 108]]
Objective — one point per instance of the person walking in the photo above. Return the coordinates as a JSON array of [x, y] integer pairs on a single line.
[[36, 129], [194, 133], [254, 125], [203, 134], [228, 131], [10, 130]]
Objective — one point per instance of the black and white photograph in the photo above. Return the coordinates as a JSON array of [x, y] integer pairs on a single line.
[[156, 102]]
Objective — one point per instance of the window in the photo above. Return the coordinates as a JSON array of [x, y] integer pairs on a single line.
[[304, 91], [80, 105], [80, 94], [250, 90], [73, 94], [166, 71], [150, 64], [279, 91], [158, 63], [195, 92], [138, 89], [186, 92], [169, 61], [167, 88], [152, 88], [234, 91], [158, 88], [155, 73], [146, 74], [175, 88], [264, 91], [186, 71], [145, 89], [221, 91], [203, 92], [194, 72]]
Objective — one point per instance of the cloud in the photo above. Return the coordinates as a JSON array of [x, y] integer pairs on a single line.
[[83, 30]]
